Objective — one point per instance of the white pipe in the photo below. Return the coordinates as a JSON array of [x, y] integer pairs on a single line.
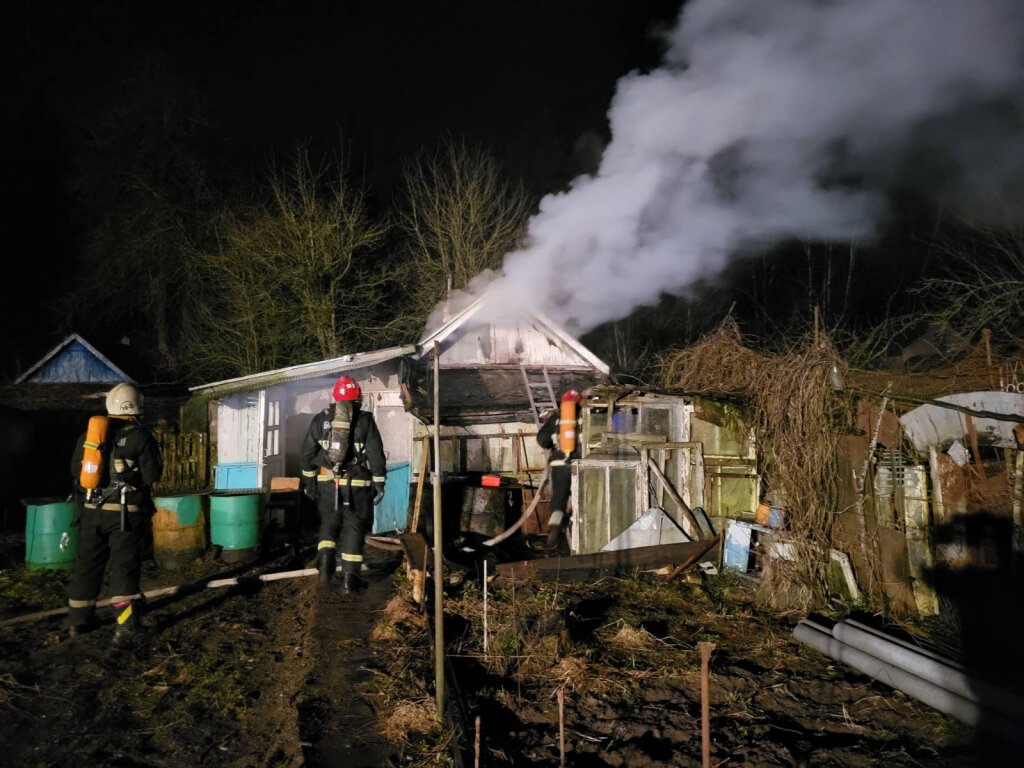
[[953, 704], [904, 644], [929, 666]]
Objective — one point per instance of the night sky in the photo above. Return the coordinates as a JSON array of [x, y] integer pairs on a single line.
[[746, 129], [530, 80]]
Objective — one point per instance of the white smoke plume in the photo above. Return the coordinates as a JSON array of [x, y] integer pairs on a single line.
[[774, 119]]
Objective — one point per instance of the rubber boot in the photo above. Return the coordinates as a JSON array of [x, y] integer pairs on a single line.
[[84, 626], [129, 627], [325, 565], [352, 583], [554, 529]]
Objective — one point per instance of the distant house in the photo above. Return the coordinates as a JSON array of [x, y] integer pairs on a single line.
[[487, 407], [52, 401]]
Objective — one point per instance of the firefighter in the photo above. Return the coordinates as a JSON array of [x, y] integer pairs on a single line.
[[343, 470], [558, 436], [114, 515]]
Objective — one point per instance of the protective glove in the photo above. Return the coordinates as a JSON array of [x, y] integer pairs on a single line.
[[309, 488], [379, 488]]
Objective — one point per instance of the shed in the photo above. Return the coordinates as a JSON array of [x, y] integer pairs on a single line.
[[643, 449], [257, 422]]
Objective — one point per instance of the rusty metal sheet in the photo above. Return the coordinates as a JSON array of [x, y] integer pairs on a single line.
[[934, 425], [952, 479], [888, 430]]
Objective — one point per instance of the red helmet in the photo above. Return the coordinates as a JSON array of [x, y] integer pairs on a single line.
[[346, 388], [572, 395]]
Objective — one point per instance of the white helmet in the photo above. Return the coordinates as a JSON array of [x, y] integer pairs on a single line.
[[124, 400]]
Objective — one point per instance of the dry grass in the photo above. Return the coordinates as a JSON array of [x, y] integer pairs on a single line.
[[798, 418], [573, 672], [410, 717], [399, 614], [633, 639]]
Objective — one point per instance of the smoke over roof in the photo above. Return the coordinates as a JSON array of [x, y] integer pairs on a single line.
[[773, 120]]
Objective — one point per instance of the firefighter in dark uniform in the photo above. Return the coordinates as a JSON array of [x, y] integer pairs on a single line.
[[562, 423], [343, 469], [114, 517]]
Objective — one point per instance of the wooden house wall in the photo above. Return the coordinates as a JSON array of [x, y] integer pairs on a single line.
[[77, 364], [487, 344], [238, 425]]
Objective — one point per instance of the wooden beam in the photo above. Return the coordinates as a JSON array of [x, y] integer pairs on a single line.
[[578, 567], [424, 453], [694, 532]]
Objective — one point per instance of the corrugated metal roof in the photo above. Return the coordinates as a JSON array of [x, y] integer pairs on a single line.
[[296, 372]]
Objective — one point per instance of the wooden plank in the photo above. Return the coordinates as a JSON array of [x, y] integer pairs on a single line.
[[416, 550], [690, 524], [424, 452], [584, 566]]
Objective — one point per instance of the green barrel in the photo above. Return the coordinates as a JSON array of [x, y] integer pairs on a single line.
[[236, 522], [46, 522], [179, 530]]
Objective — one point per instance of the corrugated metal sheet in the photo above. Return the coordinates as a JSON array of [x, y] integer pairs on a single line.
[[934, 425], [296, 372]]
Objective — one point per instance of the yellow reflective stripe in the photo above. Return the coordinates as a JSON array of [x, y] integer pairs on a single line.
[[309, 473], [557, 463], [351, 558], [325, 478], [124, 615], [360, 483], [325, 444], [379, 479], [81, 603], [358, 446], [325, 544], [87, 444]]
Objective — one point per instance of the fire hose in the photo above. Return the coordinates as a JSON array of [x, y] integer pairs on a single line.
[[529, 511], [181, 588]]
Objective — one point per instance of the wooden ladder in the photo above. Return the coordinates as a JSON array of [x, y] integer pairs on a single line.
[[536, 392]]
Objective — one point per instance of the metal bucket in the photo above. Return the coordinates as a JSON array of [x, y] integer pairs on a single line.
[[179, 530], [50, 541], [236, 525]]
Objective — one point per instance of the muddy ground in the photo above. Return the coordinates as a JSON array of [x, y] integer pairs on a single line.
[[279, 675], [622, 654], [254, 675]]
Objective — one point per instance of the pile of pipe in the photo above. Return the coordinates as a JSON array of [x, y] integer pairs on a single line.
[[941, 683]]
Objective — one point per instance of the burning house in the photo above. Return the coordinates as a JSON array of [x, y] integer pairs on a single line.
[[495, 379]]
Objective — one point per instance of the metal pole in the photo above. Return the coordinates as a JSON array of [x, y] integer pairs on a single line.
[[705, 703], [438, 559]]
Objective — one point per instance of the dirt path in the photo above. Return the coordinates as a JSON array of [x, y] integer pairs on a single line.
[[246, 677], [336, 722]]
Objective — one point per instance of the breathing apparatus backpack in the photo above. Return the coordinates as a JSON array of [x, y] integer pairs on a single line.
[[95, 456]]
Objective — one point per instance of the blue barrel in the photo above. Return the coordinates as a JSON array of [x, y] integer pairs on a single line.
[[236, 524], [46, 523]]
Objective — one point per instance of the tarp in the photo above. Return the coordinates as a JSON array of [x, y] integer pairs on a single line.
[[651, 529]]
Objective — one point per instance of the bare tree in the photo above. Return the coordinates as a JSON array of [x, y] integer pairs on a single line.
[[292, 279], [141, 187], [981, 284], [459, 218]]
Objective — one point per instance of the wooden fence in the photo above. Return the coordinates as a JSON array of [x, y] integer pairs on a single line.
[[186, 462]]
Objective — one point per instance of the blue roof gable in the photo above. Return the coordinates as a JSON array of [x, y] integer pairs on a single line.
[[74, 361]]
